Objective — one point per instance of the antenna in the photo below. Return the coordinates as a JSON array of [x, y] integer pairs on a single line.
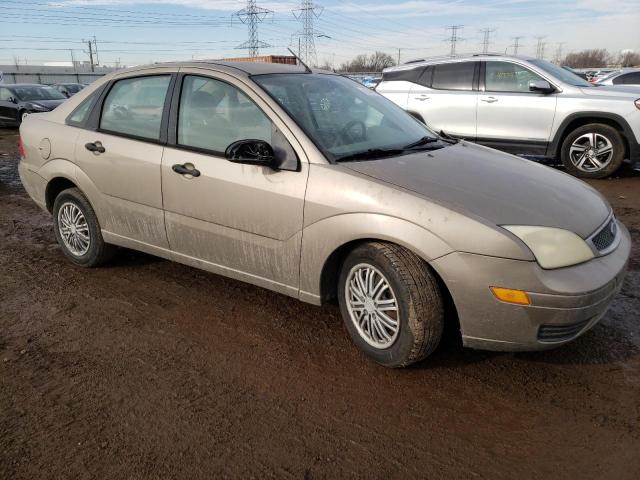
[[252, 15], [306, 67]]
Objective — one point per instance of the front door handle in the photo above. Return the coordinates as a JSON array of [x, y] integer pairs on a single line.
[[489, 99], [186, 169], [95, 147]]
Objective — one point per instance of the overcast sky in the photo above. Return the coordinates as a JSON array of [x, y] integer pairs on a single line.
[[140, 31]]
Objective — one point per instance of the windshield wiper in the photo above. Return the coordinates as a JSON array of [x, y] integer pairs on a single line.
[[447, 138], [371, 154], [421, 142]]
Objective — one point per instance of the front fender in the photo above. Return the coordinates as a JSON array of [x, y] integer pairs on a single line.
[[324, 237]]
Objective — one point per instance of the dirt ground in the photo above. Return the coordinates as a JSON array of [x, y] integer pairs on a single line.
[[150, 369]]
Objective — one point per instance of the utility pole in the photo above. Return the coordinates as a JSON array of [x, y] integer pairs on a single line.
[[306, 14], [399, 56], [516, 44], [252, 15], [540, 48], [558, 56], [90, 52], [454, 38], [73, 59], [95, 49], [485, 39]]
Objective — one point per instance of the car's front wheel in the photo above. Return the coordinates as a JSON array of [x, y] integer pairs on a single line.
[[391, 304], [593, 151], [77, 230]]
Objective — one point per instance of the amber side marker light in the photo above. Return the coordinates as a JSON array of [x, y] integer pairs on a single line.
[[509, 295]]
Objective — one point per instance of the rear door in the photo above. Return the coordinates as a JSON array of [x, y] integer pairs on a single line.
[[446, 98], [510, 116], [123, 154]]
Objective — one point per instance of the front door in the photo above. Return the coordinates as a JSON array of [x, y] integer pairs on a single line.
[[510, 116], [123, 156], [244, 221]]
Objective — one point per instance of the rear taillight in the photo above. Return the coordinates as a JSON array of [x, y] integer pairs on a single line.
[[21, 147]]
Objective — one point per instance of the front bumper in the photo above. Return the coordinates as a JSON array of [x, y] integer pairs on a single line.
[[565, 302]]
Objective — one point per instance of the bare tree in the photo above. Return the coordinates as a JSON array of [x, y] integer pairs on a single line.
[[629, 58], [375, 62], [588, 58]]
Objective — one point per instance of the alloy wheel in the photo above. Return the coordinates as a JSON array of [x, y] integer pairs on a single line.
[[74, 229], [591, 152], [372, 306]]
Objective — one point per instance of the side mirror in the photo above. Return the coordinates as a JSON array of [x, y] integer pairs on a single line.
[[13, 99], [252, 152], [541, 86], [66, 93]]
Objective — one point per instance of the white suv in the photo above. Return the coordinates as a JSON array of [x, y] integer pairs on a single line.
[[522, 106]]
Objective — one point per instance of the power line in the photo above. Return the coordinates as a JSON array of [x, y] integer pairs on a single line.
[[540, 47], [306, 14], [454, 38], [252, 15]]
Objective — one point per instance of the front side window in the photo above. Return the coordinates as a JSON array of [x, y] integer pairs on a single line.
[[134, 106], [508, 77], [628, 79], [213, 114], [560, 73], [342, 117], [453, 76]]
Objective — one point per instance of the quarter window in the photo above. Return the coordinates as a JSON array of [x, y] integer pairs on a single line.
[[453, 76], [508, 77], [214, 114], [5, 94], [134, 106], [81, 113]]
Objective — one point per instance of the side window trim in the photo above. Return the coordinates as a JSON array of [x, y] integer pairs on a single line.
[[96, 113]]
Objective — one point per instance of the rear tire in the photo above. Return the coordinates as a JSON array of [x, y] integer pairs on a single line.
[[593, 151], [77, 230], [393, 338]]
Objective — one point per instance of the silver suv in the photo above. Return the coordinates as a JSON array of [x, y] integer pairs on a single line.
[[522, 106]]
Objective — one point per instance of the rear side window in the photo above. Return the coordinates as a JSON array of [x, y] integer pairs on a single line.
[[214, 114], [453, 76], [134, 106], [79, 116]]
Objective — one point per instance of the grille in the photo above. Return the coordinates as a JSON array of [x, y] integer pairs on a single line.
[[605, 237], [558, 333]]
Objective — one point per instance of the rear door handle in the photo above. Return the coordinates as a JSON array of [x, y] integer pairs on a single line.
[[186, 169], [422, 98], [95, 147], [489, 99]]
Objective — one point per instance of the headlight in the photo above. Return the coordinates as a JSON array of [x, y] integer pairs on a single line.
[[637, 102], [553, 247], [37, 108]]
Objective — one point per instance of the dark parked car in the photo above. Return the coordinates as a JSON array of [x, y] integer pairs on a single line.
[[68, 89], [20, 99]]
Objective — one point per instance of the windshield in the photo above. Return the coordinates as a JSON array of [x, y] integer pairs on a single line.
[[343, 118], [38, 92], [73, 87], [561, 74]]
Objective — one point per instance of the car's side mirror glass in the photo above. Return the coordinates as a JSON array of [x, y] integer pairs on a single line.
[[541, 86], [252, 152]]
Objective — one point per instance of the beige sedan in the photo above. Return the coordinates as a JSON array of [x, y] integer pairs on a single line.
[[311, 185]]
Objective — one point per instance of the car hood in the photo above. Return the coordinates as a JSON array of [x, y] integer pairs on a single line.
[[630, 91], [51, 104], [500, 188]]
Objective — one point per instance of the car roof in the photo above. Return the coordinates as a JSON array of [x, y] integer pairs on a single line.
[[448, 59], [12, 85], [242, 68]]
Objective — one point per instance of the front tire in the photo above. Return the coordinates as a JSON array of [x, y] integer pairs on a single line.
[[77, 230], [390, 303], [593, 151]]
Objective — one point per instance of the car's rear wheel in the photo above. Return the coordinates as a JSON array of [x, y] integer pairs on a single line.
[[390, 303], [593, 151], [77, 230]]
